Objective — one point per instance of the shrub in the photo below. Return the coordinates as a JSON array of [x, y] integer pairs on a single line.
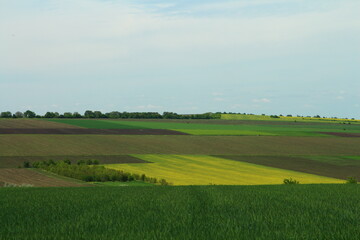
[[290, 181], [27, 164], [81, 162], [67, 161], [351, 180]]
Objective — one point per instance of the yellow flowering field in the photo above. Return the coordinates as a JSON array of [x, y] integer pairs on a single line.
[[207, 170]]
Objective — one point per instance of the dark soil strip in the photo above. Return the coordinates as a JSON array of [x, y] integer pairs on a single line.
[[80, 131], [342, 134], [300, 164], [18, 161]]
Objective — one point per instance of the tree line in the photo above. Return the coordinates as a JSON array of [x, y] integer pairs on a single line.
[[114, 114], [90, 171]]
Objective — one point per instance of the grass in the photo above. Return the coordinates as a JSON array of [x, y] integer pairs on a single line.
[[323, 212], [63, 145], [123, 184], [192, 127], [205, 170], [285, 118]]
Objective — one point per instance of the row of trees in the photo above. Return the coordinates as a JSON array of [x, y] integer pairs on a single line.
[[114, 114], [89, 171]]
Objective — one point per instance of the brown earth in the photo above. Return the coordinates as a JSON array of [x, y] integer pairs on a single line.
[[55, 145], [300, 164], [341, 134], [18, 161], [36, 178], [32, 123], [80, 131]]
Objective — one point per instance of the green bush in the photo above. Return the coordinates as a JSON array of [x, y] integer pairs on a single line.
[[27, 164], [351, 180], [290, 181]]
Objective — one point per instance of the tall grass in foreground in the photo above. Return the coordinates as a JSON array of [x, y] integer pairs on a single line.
[[330, 212]]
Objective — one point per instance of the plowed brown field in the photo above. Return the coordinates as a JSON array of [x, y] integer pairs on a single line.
[[80, 131], [35, 178], [16, 161], [32, 123], [63, 145], [341, 134]]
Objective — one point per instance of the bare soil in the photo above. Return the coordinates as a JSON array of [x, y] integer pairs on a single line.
[[341, 134], [31, 124], [35, 178], [81, 131]]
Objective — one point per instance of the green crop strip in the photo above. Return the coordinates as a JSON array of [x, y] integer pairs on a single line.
[[330, 212]]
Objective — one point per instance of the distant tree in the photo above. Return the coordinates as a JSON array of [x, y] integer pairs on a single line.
[[19, 115], [89, 114], [98, 114], [49, 115], [113, 115], [77, 115], [29, 114], [68, 115], [5, 115]]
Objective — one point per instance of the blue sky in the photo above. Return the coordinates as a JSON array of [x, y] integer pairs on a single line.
[[254, 56]]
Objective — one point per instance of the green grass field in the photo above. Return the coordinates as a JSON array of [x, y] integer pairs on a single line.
[[323, 212], [205, 170], [285, 118], [217, 129]]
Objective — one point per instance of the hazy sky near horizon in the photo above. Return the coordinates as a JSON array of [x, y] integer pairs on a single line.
[[254, 56]]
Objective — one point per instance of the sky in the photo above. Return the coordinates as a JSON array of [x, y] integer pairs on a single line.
[[299, 57]]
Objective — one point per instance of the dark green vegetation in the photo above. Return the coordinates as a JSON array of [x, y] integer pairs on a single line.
[[89, 171], [324, 212], [113, 115], [84, 172]]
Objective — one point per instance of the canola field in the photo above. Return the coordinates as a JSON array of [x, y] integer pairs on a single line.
[[208, 170]]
